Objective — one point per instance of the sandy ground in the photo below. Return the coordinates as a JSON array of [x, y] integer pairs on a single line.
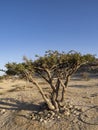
[[18, 99]]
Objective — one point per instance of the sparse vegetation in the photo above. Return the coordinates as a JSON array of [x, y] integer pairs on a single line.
[[85, 76]]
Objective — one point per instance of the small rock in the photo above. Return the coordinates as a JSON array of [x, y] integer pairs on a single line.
[[75, 112], [41, 120], [33, 118], [53, 118], [2, 111], [78, 109], [72, 110], [67, 113], [40, 113], [45, 121], [52, 113], [70, 106], [82, 109], [58, 117]]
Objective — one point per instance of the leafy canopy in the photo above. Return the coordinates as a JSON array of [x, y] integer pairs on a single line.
[[53, 61]]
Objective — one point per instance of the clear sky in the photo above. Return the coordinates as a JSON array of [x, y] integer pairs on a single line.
[[29, 27]]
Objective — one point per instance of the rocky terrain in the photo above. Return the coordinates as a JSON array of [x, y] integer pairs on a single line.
[[22, 107]]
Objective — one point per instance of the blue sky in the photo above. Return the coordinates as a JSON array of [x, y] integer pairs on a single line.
[[29, 27]]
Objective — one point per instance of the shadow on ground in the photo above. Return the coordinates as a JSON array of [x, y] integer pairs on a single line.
[[80, 86], [86, 118], [13, 104]]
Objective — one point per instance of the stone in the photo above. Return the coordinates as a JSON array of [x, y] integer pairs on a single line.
[[70, 106], [58, 117], [67, 113], [40, 113], [41, 119], [2, 111], [77, 113], [45, 121]]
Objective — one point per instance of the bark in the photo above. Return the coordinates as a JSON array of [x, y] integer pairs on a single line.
[[54, 101], [63, 91], [48, 102], [67, 81]]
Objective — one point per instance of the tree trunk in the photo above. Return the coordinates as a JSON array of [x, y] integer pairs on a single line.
[[47, 101], [54, 102], [67, 81]]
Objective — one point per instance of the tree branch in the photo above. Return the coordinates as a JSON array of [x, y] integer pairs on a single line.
[[40, 90]]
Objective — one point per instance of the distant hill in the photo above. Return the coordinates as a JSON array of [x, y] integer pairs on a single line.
[[91, 67]]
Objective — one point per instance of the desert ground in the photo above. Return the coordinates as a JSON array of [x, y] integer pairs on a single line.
[[20, 100]]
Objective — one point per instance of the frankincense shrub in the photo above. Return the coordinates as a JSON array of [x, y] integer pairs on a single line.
[[55, 68]]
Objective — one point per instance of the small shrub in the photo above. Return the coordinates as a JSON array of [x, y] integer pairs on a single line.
[[85, 76]]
